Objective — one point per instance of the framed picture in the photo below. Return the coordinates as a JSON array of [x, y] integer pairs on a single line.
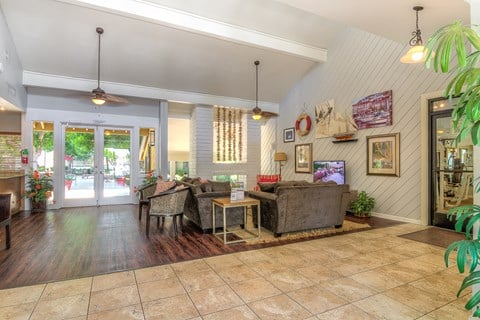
[[289, 135], [303, 158], [383, 155]]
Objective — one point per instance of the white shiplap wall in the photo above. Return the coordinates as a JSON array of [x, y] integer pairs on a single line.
[[269, 145], [360, 64], [201, 156]]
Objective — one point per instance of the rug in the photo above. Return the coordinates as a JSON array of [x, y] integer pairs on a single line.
[[434, 236], [266, 236]]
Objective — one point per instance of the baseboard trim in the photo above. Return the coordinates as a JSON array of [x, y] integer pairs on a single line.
[[397, 218]]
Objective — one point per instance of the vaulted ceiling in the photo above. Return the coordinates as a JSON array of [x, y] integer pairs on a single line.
[[183, 50]]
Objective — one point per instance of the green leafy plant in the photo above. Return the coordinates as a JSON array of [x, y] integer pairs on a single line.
[[363, 205], [457, 38]]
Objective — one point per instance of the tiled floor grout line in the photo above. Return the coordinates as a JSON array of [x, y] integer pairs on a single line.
[[139, 295], [37, 302]]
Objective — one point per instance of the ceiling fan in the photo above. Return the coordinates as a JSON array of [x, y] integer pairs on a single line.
[[99, 96], [257, 113]]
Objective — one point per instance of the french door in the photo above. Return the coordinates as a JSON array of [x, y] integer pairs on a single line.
[[97, 165]]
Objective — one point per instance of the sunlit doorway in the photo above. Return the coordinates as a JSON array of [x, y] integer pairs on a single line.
[[97, 168]]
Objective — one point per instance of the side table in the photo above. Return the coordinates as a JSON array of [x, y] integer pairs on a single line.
[[226, 203]]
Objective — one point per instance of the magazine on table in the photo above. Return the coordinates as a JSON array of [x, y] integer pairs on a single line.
[[237, 191]]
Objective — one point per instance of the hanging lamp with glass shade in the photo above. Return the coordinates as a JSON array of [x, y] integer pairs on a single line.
[[417, 53], [256, 112]]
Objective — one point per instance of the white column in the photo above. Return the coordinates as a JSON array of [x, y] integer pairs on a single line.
[[162, 149]]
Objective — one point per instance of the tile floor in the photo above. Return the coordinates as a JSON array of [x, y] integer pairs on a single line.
[[366, 275]]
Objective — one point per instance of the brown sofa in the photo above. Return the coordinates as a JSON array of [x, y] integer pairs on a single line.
[[198, 205], [299, 205]]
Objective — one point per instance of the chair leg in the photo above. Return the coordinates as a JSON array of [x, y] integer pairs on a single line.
[[7, 231], [175, 230], [140, 209], [181, 221], [148, 223]]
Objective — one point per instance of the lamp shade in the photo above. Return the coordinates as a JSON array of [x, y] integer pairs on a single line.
[[98, 101], [415, 54], [280, 156]]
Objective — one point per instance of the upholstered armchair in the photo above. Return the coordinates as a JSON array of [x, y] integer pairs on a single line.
[[143, 194], [167, 204], [5, 215]]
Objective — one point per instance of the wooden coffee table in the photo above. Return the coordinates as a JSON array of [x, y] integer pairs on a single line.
[[226, 203]]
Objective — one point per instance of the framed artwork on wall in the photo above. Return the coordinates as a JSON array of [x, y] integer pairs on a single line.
[[373, 111], [289, 135], [303, 158], [383, 155]]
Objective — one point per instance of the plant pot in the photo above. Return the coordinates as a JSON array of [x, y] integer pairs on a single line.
[[39, 206]]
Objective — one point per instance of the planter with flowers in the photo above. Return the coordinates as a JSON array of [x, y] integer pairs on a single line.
[[39, 188]]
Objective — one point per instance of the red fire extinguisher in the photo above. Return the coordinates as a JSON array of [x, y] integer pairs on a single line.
[[24, 154]]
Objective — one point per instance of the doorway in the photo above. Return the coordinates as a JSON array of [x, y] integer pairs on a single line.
[[451, 165], [97, 166]]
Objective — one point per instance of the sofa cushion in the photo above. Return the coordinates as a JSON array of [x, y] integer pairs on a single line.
[[163, 186], [219, 186], [331, 182], [266, 186]]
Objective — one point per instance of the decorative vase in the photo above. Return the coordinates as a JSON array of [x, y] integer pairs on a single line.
[[39, 206]]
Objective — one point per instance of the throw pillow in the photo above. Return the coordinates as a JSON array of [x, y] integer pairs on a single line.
[[266, 187], [206, 187], [163, 186], [180, 187]]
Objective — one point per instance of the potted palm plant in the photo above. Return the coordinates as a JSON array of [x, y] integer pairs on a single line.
[[452, 38]]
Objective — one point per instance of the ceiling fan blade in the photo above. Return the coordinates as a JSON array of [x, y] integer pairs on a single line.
[[268, 114], [115, 99]]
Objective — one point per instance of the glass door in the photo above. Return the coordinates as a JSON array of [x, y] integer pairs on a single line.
[[451, 166], [97, 165], [115, 166]]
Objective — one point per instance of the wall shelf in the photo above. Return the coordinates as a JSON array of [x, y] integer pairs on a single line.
[[344, 140]]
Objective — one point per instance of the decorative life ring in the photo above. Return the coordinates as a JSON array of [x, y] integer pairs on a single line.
[[298, 124]]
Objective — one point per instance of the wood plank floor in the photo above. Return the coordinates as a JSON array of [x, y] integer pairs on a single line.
[[77, 242]]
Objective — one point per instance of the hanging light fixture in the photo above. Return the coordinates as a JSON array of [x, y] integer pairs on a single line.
[[98, 95], [256, 112], [417, 52]]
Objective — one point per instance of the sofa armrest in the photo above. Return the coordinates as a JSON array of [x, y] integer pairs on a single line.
[[262, 195], [269, 209]]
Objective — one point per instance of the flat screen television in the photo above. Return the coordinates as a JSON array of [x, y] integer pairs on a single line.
[[329, 170]]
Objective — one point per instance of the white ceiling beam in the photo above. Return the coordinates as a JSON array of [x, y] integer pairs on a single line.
[[146, 11], [43, 80]]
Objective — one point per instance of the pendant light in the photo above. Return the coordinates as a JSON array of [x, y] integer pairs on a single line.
[[417, 52], [256, 112], [98, 95]]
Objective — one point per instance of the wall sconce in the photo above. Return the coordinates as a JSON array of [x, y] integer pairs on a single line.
[[280, 157], [152, 138]]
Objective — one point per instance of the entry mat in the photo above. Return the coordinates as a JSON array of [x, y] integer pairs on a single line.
[[434, 236]]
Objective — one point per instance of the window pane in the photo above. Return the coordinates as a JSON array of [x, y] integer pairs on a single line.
[[146, 156]]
